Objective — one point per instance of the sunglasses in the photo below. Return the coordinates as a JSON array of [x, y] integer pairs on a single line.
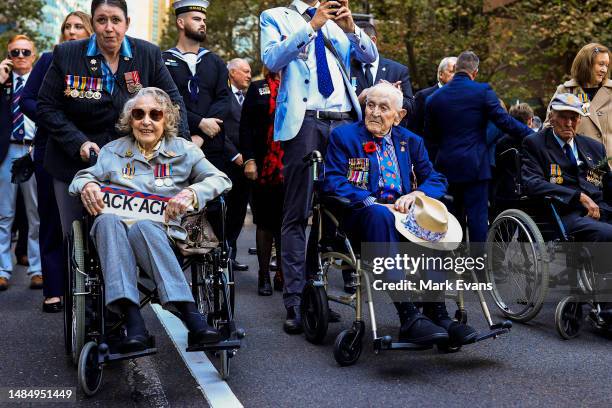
[[16, 52], [155, 114]]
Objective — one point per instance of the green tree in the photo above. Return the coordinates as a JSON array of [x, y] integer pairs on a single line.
[[21, 17]]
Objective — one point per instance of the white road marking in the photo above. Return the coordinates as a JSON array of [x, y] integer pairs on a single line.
[[215, 390]]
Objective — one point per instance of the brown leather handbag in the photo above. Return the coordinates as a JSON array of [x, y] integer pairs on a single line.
[[199, 237]]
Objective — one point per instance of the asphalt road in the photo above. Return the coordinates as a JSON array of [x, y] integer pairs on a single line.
[[531, 366]]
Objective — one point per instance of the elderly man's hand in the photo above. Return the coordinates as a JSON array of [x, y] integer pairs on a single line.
[[403, 203], [590, 205], [210, 126], [250, 170], [363, 95], [91, 196], [179, 204], [5, 69]]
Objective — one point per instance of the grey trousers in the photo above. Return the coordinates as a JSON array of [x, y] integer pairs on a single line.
[[297, 204], [145, 244], [70, 207]]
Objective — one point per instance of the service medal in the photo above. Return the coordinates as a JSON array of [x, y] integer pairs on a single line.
[[168, 182], [559, 180], [89, 94], [159, 182], [97, 95], [67, 91], [553, 180], [74, 93]]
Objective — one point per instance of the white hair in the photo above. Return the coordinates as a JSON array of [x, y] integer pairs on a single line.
[[444, 64], [234, 63], [389, 90]]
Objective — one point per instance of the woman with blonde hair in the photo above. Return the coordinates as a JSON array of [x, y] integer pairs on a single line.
[[76, 26], [590, 81]]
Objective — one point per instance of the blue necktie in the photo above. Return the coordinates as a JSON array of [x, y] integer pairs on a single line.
[[570, 154], [326, 87], [391, 188], [18, 118]]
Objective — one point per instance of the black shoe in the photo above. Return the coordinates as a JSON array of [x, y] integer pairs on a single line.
[[208, 335], [334, 317], [133, 343], [351, 290], [421, 330], [264, 287], [239, 267], [293, 324], [458, 333], [606, 315], [55, 307], [252, 251]]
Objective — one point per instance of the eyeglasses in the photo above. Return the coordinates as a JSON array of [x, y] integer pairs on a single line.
[[155, 114], [16, 52]]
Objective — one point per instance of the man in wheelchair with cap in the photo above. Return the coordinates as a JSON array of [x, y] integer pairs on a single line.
[[370, 163], [573, 169]]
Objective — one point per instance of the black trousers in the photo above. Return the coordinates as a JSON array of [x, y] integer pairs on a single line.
[[297, 204], [237, 200]]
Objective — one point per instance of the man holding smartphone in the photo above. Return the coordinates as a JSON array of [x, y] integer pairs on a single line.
[[310, 44], [16, 139]]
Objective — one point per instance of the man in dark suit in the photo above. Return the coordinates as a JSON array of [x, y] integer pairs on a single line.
[[456, 119], [446, 72], [573, 169], [238, 197], [365, 75], [371, 163]]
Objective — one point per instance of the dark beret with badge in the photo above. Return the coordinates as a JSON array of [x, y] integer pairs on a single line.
[[185, 6]]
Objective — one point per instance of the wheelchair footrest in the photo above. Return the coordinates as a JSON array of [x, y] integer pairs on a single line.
[[491, 334], [229, 344], [383, 343], [126, 356]]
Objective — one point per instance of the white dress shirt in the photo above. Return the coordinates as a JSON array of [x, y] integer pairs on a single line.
[[30, 126], [373, 69], [338, 101]]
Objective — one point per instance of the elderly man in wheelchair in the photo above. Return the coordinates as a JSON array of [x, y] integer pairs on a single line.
[[371, 164], [151, 160], [573, 171]]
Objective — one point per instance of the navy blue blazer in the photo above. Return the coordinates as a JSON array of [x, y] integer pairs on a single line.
[[29, 99], [73, 121], [456, 119], [417, 118], [388, 70], [541, 150], [6, 119], [347, 142]]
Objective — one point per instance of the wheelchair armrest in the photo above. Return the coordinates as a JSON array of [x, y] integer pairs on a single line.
[[335, 201]]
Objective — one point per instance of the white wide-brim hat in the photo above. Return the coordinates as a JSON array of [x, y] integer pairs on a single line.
[[428, 223]]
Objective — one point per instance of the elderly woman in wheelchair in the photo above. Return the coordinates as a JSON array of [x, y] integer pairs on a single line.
[[150, 160], [371, 165]]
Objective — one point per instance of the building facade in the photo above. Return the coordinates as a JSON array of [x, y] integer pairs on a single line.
[[54, 12]]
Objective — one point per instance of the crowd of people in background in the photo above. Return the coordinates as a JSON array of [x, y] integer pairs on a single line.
[[320, 67]]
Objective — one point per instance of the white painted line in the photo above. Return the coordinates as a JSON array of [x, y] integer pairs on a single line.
[[215, 390]]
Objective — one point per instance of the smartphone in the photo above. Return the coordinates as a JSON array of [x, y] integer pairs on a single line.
[[8, 68]]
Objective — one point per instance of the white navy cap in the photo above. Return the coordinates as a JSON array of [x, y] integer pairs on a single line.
[[184, 6]]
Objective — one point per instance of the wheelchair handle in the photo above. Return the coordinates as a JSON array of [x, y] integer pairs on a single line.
[[315, 159], [93, 157]]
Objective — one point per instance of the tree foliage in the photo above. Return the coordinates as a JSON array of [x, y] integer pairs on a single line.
[[21, 17]]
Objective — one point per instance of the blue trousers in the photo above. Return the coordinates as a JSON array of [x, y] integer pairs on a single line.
[[145, 244], [471, 203]]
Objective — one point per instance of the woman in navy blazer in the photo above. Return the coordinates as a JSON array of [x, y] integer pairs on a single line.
[[76, 26]]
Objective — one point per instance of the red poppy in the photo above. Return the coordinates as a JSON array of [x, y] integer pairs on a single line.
[[369, 147]]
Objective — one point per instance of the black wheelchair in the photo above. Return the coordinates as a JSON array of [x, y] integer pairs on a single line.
[[92, 333], [335, 252], [525, 237]]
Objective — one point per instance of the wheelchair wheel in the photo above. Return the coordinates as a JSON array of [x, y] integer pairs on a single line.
[[76, 279], [568, 317], [68, 301], [315, 312], [516, 265], [90, 371], [347, 347], [586, 274]]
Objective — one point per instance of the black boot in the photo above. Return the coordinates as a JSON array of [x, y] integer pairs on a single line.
[[136, 337], [293, 323], [264, 286], [200, 332], [416, 328], [458, 333]]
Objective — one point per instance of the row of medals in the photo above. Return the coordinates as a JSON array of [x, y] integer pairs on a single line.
[[75, 93], [166, 181]]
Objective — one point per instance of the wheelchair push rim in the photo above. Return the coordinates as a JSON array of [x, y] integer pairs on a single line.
[[77, 289], [516, 267]]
